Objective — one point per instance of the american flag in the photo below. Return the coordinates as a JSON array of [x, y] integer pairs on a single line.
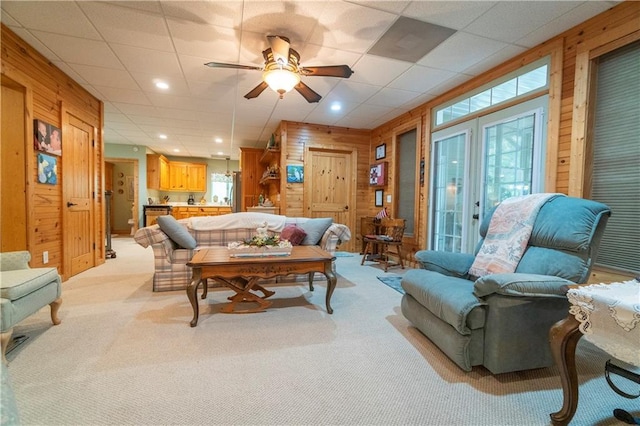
[[382, 213]]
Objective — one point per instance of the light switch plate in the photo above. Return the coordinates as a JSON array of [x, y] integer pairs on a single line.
[[388, 198]]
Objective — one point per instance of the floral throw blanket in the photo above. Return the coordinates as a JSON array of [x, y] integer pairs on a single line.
[[508, 234]]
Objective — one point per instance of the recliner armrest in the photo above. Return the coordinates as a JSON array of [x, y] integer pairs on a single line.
[[14, 260], [517, 284], [446, 263]]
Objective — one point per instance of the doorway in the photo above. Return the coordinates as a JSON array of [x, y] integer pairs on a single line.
[[121, 177], [477, 164]]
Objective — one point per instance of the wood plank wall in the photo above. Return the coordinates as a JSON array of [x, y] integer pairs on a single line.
[[563, 46], [295, 137], [50, 93]]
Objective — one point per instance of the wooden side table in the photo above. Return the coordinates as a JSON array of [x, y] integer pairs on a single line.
[[607, 315]]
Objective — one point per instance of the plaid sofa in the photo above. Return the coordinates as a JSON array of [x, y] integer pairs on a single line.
[[171, 270]]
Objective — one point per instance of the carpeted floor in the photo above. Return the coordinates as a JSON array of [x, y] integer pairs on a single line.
[[124, 355]]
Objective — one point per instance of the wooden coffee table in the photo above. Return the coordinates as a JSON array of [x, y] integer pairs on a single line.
[[241, 274]]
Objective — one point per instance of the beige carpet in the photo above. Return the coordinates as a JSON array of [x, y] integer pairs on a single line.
[[125, 355]]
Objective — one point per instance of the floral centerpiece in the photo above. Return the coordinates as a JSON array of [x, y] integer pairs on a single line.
[[262, 244]]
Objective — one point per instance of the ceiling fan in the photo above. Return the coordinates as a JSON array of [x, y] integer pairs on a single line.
[[282, 70]]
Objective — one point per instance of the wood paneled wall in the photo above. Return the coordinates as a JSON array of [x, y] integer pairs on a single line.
[[49, 94], [563, 50], [295, 137]]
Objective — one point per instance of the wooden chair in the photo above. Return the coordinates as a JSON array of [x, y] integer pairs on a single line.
[[391, 236]]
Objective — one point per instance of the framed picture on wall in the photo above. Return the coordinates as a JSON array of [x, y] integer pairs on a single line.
[[381, 151], [379, 197], [378, 174], [295, 174], [47, 138]]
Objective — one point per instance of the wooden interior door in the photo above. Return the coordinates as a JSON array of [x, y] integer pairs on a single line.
[[13, 200], [329, 187], [78, 195]]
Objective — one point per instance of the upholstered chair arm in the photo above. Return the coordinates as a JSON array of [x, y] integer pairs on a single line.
[[150, 235], [516, 284], [14, 260], [446, 263]]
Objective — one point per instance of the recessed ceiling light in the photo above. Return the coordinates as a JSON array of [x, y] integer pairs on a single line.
[[162, 85], [176, 150], [218, 140], [162, 136], [336, 106], [220, 153]]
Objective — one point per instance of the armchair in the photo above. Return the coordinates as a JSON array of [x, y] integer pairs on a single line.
[[502, 321]]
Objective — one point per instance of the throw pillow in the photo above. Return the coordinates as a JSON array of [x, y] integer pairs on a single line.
[[315, 229], [294, 234], [176, 232]]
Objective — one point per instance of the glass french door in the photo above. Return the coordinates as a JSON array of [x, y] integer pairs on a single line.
[[477, 164]]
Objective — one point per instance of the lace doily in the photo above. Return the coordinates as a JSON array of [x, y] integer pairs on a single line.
[[609, 316]]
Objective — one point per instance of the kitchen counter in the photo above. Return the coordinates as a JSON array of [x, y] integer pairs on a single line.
[[264, 209], [184, 210]]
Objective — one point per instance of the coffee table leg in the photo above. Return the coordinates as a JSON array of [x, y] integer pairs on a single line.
[[192, 290], [331, 284]]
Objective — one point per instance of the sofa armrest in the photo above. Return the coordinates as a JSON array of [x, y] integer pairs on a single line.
[[446, 263], [516, 284], [14, 260], [334, 235], [150, 235]]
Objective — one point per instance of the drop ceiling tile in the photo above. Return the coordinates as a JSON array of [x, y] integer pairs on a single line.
[[226, 14], [295, 20], [116, 117], [216, 43], [315, 55], [499, 57], [354, 91], [513, 20], [126, 96], [35, 43], [115, 78], [6, 18], [461, 51], [557, 26], [180, 102], [392, 97], [452, 14], [420, 79], [136, 110], [396, 6], [79, 51], [143, 5], [69, 71], [143, 60], [369, 111], [378, 71], [128, 26], [194, 70], [147, 82], [120, 126], [354, 122], [351, 27], [52, 17]]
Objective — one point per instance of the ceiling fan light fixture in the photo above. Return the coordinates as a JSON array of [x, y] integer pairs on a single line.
[[281, 80]]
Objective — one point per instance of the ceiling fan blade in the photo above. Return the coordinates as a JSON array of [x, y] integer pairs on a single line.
[[256, 90], [307, 93], [234, 66], [279, 48], [342, 71]]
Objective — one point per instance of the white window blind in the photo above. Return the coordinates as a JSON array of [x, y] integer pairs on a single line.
[[616, 156]]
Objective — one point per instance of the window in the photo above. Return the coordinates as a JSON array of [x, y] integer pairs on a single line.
[[502, 90], [221, 186]]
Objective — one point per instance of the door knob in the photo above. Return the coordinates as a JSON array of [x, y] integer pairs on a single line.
[[70, 204], [476, 216]]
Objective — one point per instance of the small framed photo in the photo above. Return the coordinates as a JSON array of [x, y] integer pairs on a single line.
[[47, 169], [379, 197], [378, 174], [295, 174], [381, 151]]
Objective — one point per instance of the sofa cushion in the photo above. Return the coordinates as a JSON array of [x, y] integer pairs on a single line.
[[21, 282], [315, 228], [294, 234], [176, 231], [448, 298]]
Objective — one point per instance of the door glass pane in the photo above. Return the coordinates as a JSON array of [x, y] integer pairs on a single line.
[[448, 193], [508, 160]]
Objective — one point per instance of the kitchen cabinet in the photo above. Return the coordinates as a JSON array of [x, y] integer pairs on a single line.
[[178, 176], [157, 172], [185, 212], [197, 177]]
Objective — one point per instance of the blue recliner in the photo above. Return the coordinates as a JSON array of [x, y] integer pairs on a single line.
[[502, 321]]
